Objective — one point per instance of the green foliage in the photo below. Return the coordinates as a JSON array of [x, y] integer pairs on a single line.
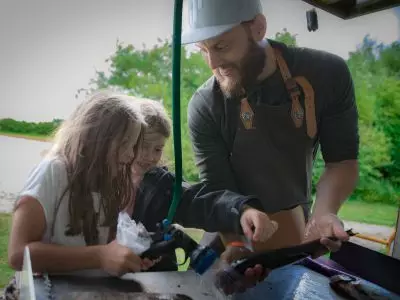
[[29, 128], [388, 114], [375, 70], [286, 38]]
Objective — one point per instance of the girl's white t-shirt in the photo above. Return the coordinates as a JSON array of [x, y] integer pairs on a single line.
[[46, 183]]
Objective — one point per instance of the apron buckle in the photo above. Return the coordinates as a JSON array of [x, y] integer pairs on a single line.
[[246, 114], [292, 87], [297, 112]]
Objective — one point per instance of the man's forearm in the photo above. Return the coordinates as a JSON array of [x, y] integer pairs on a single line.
[[335, 186]]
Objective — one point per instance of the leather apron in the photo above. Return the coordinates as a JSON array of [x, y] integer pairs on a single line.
[[272, 157]]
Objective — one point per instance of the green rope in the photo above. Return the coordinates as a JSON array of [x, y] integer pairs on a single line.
[[176, 111]]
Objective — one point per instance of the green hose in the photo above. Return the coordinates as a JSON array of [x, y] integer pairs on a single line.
[[176, 109]]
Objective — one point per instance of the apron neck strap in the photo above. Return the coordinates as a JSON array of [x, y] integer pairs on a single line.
[[292, 86], [290, 82]]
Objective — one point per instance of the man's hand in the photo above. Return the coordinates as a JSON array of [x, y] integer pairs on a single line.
[[251, 276], [256, 225], [323, 227]]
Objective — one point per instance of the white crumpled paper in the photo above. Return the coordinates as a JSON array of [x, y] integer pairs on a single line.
[[132, 235]]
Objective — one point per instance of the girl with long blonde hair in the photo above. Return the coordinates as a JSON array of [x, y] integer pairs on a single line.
[[68, 209]]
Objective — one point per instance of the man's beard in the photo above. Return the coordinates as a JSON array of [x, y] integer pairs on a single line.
[[246, 72]]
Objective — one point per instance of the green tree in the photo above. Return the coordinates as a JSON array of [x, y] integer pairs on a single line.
[[377, 91], [286, 38], [29, 128]]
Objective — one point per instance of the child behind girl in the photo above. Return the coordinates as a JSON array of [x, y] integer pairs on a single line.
[[200, 207]]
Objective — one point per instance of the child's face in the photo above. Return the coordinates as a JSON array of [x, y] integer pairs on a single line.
[[126, 149], [150, 154]]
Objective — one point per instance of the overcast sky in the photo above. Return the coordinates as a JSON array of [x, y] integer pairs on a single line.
[[51, 48]]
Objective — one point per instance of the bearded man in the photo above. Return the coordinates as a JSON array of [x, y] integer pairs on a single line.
[[257, 123]]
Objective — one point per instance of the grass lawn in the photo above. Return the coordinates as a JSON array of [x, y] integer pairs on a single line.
[[378, 214], [35, 137], [5, 271], [351, 211]]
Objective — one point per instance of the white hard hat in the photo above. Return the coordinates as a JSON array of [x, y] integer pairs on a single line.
[[211, 18]]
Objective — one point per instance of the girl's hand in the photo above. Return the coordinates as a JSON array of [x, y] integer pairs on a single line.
[[147, 263], [256, 225], [118, 260]]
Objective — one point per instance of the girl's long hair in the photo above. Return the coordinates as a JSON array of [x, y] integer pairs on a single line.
[[89, 144]]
